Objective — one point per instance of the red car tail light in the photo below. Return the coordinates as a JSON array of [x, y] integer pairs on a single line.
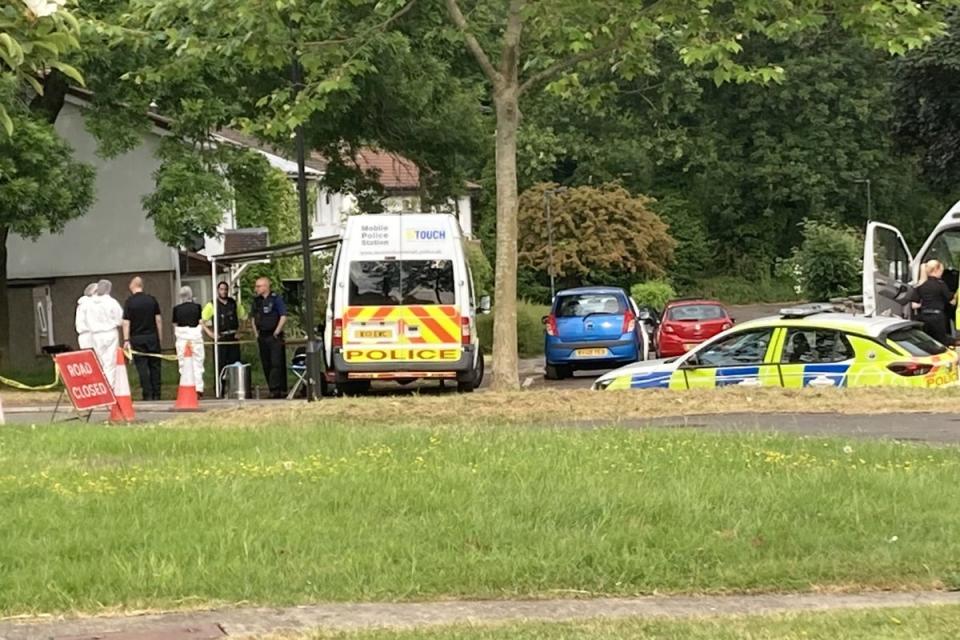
[[910, 369], [552, 325], [667, 328], [629, 322]]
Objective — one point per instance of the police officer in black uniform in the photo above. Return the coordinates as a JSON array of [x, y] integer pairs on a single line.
[[935, 298], [269, 315], [228, 325]]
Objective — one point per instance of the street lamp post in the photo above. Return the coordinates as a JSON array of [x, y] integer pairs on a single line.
[[867, 182], [546, 204], [313, 369]]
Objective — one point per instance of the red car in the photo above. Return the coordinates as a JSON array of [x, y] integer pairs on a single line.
[[687, 323]]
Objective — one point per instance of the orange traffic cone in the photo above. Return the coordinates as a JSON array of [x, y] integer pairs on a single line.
[[187, 399], [122, 411]]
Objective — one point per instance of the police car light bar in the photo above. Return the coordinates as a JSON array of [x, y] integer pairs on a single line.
[[807, 310]]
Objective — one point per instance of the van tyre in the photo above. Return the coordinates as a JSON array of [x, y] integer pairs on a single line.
[[474, 379], [353, 387]]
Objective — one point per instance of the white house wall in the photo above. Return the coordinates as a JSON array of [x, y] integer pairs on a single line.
[[115, 235]]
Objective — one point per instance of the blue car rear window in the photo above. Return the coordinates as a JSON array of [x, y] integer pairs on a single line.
[[585, 304]]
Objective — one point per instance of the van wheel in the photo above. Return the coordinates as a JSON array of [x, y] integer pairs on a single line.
[[353, 387], [476, 377]]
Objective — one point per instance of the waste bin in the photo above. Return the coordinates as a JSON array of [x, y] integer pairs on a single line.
[[235, 382]]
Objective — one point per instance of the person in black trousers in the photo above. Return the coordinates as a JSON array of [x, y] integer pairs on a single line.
[[269, 315], [935, 299], [142, 332]]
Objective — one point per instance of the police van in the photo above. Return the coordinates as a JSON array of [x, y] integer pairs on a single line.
[[890, 269], [402, 304]]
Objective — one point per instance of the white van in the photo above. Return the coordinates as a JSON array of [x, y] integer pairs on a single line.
[[890, 268], [401, 304]]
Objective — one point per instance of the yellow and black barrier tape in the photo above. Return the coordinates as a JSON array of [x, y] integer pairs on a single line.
[[7, 382]]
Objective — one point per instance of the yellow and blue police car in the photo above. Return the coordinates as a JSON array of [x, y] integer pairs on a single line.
[[806, 346]]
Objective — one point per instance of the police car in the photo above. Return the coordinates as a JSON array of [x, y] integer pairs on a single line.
[[808, 346]]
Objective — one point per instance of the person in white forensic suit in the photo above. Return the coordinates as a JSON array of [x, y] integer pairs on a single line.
[[187, 327], [81, 321], [105, 319]]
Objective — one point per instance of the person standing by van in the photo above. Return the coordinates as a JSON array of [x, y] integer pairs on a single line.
[[269, 316], [934, 298], [228, 325]]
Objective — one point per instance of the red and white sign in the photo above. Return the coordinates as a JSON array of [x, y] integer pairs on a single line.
[[84, 380]]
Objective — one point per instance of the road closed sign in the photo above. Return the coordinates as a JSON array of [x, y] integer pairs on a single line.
[[84, 380]]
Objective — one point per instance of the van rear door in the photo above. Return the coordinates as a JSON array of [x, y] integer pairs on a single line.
[[887, 269]]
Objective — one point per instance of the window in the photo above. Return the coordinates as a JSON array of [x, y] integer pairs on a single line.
[[582, 305], [696, 313], [401, 282], [890, 257], [946, 249], [916, 342], [811, 346], [744, 348]]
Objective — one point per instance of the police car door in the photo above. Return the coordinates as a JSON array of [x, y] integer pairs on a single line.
[[887, 271], [743, 359]]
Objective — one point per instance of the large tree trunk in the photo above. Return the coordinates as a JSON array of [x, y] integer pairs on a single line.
[[505, 363], [4, 300]]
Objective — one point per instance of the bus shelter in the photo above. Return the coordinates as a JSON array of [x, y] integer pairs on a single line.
[[237, 262]]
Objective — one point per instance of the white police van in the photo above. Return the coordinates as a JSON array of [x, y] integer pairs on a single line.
[[402, 305]]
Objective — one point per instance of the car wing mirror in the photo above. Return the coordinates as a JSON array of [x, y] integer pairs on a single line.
[[485, 304]]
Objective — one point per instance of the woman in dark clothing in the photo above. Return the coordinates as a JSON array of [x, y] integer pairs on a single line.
[[934, 298]]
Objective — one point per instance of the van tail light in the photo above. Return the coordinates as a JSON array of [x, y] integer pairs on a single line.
[[629, 322], [910, 369], [465, 332], [552, 325], [338, 332]]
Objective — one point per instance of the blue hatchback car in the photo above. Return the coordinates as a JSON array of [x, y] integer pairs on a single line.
[[592, 328]]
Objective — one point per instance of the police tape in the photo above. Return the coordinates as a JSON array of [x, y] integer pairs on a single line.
[[130, 353], [7, 382]]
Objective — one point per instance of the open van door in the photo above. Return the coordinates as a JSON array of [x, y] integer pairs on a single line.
[[887, 269]]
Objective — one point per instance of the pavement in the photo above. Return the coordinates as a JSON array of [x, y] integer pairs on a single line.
[[256, 622]]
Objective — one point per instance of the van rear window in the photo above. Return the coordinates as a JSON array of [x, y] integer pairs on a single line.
[[390, 283]]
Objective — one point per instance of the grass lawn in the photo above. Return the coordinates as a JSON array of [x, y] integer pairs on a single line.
[[928, 623], [99, 517]]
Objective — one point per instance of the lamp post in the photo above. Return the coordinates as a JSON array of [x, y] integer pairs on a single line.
[[313, 369], [867, 182], [546, 205]]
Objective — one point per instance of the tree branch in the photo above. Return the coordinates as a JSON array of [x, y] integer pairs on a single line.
[[510, 58], [380, 27], [568, 63], [473, 45]]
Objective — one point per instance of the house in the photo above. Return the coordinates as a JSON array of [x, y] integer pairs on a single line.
[[115, 239]]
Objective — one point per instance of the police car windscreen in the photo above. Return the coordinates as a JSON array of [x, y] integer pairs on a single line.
[[388, 283], [917, 343]]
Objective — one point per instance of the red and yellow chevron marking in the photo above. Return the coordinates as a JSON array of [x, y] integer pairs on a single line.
[[438, 324]]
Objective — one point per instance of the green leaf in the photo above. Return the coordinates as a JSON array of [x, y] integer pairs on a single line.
[[69, 71], [5, 121], [13, 49]]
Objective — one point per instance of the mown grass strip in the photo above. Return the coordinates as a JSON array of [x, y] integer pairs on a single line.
[[94, 518], [928, 623]]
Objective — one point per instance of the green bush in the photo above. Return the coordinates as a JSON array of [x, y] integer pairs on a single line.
[[655, 293], [828, 263], [743, 290], [529, 329], [481, 269]]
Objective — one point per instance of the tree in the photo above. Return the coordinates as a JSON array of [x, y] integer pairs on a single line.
[[34, 36], [594, 229], [41, 189], [927, 93], [540, 41]]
